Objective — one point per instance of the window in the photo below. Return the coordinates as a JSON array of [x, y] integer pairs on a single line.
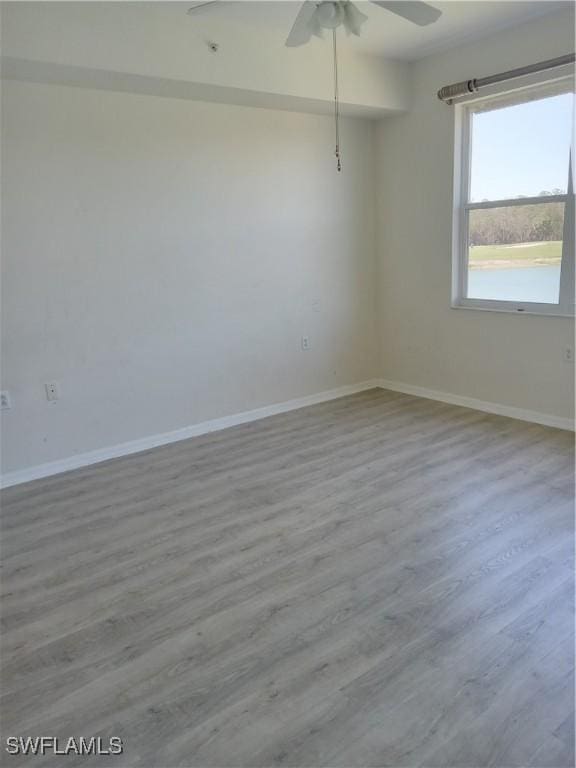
[[514, 203]]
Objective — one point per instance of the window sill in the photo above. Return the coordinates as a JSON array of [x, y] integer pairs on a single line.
[[513, 311]]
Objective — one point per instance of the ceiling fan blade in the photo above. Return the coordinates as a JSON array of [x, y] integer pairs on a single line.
[[416, 12], [208, 5], [304, 27]]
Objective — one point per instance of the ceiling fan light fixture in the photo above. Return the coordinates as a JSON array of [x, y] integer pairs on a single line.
[[353, 19], [330, 14]]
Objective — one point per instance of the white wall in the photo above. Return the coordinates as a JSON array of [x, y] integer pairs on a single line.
[[162, 258], [502, 358]]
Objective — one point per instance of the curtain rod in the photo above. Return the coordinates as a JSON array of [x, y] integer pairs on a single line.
[[466, 87]]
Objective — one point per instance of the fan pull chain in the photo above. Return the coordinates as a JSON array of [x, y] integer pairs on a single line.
[[336, 103]]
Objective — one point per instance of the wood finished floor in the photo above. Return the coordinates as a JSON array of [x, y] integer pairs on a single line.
[[380, 580]]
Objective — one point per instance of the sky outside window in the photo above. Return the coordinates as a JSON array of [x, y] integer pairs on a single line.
[[521, 150]]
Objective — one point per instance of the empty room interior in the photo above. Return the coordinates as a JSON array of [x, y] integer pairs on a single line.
[[287, 384]]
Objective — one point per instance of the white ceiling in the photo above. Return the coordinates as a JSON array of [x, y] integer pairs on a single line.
[[384, 34]]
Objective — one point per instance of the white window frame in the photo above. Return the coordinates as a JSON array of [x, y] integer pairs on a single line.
[[462, 206]]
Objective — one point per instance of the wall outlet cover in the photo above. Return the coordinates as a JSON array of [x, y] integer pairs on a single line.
[[52, 390]]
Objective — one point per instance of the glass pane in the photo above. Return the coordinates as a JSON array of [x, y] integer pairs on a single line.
[[514, 253], [521, 151]]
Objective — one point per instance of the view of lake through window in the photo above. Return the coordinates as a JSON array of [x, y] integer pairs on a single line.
[[520, 151]]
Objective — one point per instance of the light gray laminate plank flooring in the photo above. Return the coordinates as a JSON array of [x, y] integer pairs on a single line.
[[381, 580]]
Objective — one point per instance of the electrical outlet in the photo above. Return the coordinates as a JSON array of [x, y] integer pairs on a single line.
[[305, 342], [52, 391], [568, 355], [5, 400]]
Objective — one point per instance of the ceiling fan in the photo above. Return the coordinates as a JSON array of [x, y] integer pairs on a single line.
[[315, 16]]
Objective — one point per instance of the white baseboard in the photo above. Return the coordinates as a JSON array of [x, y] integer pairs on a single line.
[[479, 405], [153, 441]]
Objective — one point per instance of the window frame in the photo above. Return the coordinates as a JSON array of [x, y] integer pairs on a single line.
[[464, 112]]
